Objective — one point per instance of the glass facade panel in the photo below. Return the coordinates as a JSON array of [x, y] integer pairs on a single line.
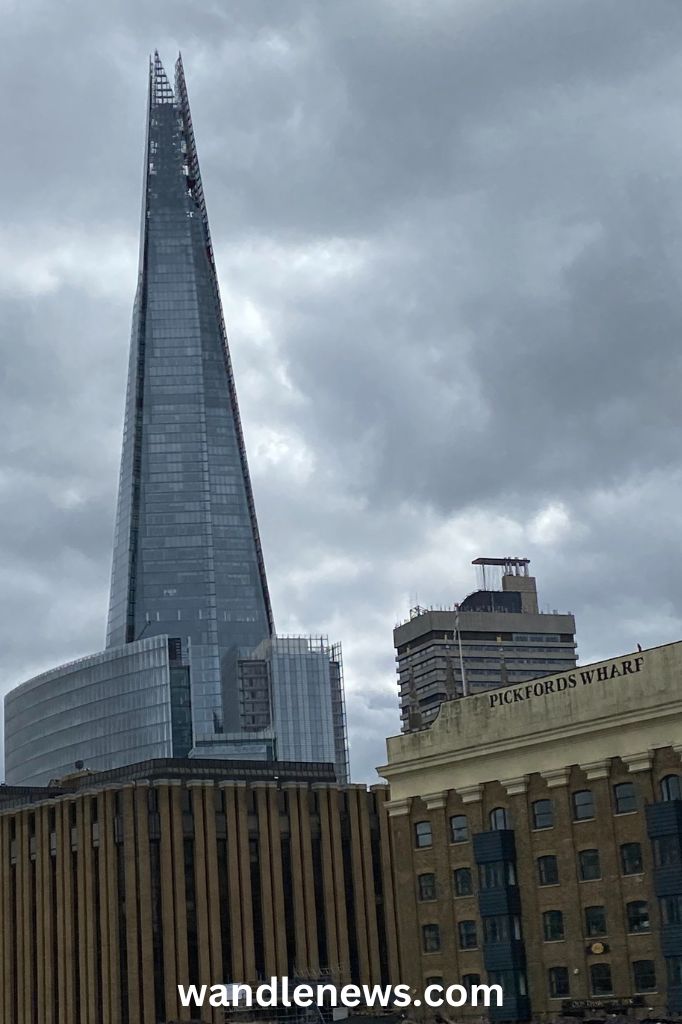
[[107, 710], [302, 705]]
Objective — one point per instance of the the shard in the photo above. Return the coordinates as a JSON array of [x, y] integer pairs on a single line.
[[187, 554], [192, 665]]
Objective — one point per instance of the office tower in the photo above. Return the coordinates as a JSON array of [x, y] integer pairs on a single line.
[[189, 601], [497, 636], [187, 554]]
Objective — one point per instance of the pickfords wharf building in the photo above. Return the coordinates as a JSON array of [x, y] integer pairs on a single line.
[[536, 842]]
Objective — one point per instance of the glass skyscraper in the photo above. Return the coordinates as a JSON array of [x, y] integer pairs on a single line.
[[187, 566], [187, 555]]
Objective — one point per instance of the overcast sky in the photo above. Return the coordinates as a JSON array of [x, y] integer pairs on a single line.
[[449, 239]]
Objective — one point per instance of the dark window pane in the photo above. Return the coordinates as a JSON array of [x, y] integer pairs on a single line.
[[631, 858], [638, 916], [459, 828], [588, 865], [501, 928], [430, 938], [595, 921], [583, 805], [600, 978], [548, 870], [497, 874], [422, 834], [553, 925], [558, 982], [644, 975], [468, 938], [469, 980], [463, 882], [499, 819], [670, 787], [625, 797], [543, 814], [427, 886]]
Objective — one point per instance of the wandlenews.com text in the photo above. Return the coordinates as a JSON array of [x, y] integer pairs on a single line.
[[282, 992]]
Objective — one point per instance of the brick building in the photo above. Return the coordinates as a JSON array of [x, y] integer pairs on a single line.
[[536, 842]]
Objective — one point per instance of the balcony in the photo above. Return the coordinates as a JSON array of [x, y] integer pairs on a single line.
[[492, 846], [508, 955], [664, 818], [514, 1008], [502, 901], [671, 940]]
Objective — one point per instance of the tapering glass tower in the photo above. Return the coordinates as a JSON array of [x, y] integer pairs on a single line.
[[187, 553], [192, 667]]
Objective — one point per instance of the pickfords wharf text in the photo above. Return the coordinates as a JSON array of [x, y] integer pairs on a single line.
[[557, 684]]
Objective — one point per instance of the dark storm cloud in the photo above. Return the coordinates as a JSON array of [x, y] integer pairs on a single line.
[[448, 236]]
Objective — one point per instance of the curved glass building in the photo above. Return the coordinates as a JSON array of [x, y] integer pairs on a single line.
[[188, 574], [103, 710]]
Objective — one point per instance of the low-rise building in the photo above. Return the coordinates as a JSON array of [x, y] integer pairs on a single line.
[[536, 839], [116, 887]]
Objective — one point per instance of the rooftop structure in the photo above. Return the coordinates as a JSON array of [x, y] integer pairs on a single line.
[[496, 636]]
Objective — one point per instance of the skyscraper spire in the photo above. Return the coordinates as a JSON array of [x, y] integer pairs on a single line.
[[192, 666], [187, 552]]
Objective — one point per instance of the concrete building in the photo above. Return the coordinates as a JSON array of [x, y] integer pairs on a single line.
[[116, 887], [494, 637], [536, 836]]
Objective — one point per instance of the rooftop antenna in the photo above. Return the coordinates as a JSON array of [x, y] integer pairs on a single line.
[[465, 685]]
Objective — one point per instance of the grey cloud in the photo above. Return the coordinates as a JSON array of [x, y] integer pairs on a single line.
[[448, 238]]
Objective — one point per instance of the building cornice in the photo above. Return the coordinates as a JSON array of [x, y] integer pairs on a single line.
[[481, 751]]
